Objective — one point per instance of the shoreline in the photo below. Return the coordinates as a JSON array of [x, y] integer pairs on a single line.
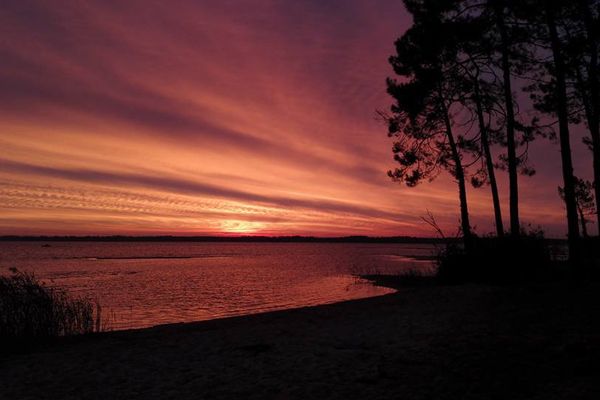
[[242, 318], [390, 284], [472, 341], [367, 278]]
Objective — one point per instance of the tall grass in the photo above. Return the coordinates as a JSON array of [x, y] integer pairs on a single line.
[[31, 312]]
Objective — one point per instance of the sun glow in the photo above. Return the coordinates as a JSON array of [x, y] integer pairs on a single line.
[[234, 226]]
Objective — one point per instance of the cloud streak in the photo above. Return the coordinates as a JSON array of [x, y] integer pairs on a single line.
[[171, 185]]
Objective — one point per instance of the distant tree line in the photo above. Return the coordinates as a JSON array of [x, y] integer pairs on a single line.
[[465, 73], [235, 239]]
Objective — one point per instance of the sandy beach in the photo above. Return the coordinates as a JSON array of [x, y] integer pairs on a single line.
[[464, 342]]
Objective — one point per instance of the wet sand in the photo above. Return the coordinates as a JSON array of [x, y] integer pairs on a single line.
[[467, 342]]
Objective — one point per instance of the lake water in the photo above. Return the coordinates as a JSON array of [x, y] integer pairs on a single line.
[[141, 284]]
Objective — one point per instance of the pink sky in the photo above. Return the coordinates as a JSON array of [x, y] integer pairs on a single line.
[[218, 117]]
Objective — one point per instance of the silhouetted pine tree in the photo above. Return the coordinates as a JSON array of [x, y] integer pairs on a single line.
[[551, 95], [581, 25], [496, 47], [499, 10], [421, 120], [479, 95]]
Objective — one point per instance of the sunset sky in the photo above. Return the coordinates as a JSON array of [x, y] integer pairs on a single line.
[[218, 117]]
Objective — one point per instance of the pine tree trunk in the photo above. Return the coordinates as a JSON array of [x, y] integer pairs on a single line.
[[593, 108], [583, 222], [594, 128], [565, 144], [595, 133], [460, 179], [489, 164], [515, 228]]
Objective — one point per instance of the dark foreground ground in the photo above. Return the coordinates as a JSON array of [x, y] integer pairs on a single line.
[[468, 342]]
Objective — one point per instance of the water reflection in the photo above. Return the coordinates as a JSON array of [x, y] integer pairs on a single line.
[[144, 284]]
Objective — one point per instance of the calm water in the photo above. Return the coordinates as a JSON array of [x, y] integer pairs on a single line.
[[144, 284]]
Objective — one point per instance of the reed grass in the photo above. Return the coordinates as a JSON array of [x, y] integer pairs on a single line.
[[32, 312]]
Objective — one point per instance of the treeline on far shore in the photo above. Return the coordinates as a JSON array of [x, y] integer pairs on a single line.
[[241, 239]]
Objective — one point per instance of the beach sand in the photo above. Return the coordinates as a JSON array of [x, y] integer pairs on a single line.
[[464, 342]]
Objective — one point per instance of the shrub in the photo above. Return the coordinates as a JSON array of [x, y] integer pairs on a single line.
[[497, 260], [31, 312]]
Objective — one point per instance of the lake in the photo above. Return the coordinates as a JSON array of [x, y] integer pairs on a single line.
[[141, 284]]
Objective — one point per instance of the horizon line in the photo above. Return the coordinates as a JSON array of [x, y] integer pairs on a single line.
[[239, 238]]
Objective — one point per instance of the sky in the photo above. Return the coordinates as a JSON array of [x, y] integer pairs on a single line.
[[191, 117]]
